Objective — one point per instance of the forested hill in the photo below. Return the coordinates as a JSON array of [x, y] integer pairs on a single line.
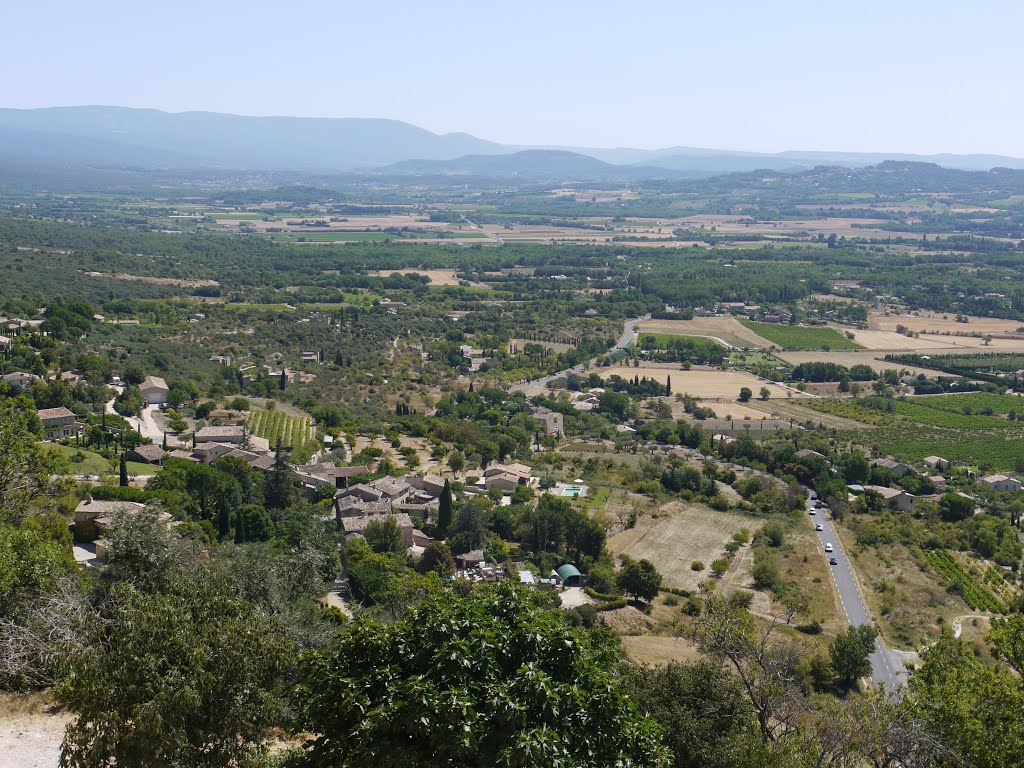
[[154, 139], [890, 177], [533, 164]]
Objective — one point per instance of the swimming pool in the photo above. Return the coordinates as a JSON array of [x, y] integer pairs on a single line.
[[573, 491]]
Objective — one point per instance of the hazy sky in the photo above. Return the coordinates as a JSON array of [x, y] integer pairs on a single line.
[[900, 75]]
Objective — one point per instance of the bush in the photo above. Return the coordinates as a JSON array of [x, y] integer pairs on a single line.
[[775, 534], [814, 628], [611, 605], [766, 569], [742, 598], [671, 600], [693, 606], [696, 565], [720, 566]]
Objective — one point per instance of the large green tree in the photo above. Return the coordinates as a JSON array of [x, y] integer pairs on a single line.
[[851, 653], [639, 578], [487, 680], [975, 707], [189, 678]]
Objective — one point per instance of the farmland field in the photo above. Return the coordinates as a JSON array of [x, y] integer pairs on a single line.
[[436, 276], [933, 425], [699, 383], [933, 323], [851, 357], [801, 337], [681, 534], [726, 330], [693, 347]]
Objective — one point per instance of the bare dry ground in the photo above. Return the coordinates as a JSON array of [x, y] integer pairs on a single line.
[[680, 534], [727, 330], [699, 383], [30, 735]]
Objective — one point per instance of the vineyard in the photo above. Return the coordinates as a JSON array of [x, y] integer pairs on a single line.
[[954, 426], [294, 432], [976, 595]]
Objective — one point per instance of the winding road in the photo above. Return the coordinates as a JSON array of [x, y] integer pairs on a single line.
[[886, 665], [629, 336]]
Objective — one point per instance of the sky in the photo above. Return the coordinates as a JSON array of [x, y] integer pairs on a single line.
[[761, 75]]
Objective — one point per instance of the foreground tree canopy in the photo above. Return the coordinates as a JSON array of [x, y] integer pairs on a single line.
[[489, 680]]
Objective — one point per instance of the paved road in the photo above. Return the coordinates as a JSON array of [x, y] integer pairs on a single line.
[[629, 336], [886, 665]]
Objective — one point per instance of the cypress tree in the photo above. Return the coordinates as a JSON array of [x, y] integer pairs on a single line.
[[444, 509], [668, 385], [124, 470], [224, 521]]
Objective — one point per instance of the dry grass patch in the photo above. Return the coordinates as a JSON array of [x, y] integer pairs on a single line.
[[626, 621], [677, 535], [909, 606], [553, 345], [702, 384], [654, 650]]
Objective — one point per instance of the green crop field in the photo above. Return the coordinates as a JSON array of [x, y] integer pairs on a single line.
[[666, 340], [794, 337]]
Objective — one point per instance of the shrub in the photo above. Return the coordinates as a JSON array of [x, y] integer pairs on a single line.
[[696, 565], [766, 569]]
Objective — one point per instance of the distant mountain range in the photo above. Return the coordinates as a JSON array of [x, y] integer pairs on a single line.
[[120, 137]]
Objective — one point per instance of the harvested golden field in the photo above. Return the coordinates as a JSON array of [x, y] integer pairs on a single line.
[[702, 384], [727, 330], [945, 324], [437, 276], [890, 341], [680, 534]]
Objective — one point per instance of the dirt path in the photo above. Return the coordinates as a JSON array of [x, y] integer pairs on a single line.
[[30, 735]]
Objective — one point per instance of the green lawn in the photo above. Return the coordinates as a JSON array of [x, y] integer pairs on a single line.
[[800, 337], [94, 464]]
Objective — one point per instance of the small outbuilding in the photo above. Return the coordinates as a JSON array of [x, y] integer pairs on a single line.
[[569, 575]]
